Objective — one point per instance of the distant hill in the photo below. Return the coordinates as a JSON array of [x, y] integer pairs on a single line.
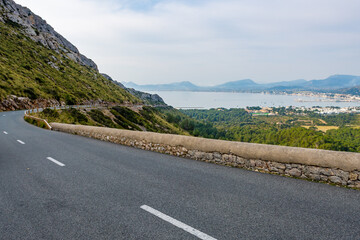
[[246, 84], [284, 84], [330, 83], [334, 82], [351, 91], [147, 98], [177, 86]]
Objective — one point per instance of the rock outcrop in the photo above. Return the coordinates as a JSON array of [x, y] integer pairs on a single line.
[[151, 99], [39, 31], [12, 103], [116, 82]]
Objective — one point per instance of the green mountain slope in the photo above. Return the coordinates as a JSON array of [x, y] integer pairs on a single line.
[[29, 69]]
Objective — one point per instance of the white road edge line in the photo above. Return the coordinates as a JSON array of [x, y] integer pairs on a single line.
[[56, 161], [177, 223], [20, 142], [5, 133]]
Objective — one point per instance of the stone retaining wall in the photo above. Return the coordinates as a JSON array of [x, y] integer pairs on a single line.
[[340, 168]]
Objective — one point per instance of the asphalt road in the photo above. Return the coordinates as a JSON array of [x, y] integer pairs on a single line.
[[59, 186]]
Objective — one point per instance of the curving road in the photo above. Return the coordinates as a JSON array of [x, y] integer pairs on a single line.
[[59, 186]]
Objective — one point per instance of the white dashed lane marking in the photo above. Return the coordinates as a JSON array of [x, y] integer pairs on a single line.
[[21, 142], [177, 223], [56, 161]]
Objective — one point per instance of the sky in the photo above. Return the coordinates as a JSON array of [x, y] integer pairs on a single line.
[[210, 42]]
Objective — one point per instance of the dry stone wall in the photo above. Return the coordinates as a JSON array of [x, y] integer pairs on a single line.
[[344, 173]]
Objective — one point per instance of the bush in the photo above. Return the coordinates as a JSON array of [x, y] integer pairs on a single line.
[[78, 116], [128, 114], [35, 122], [50, 113], [30, 92], [99, 117], [69, 100]]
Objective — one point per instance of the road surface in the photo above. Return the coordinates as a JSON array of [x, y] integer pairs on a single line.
[[59, 186]]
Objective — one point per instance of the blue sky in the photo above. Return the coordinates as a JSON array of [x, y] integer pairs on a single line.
[[210, 42]]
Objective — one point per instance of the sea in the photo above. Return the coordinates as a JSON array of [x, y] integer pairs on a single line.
[[207, 100]]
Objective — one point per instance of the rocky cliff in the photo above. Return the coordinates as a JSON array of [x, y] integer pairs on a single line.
[[39, 31], [151, 99], [39, 67]]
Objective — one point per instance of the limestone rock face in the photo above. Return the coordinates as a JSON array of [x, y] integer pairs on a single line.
[[39, 31], [12, 103], [152, 99], [116, 82]]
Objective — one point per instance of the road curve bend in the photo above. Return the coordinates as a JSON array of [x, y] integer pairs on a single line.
[[59, 186]]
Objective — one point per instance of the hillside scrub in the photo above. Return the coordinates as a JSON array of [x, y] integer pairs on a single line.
[[286, 130], [29, 69], [147, 119], [237, 126]]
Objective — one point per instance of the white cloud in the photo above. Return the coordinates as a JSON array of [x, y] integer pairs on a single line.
[[209, 42]]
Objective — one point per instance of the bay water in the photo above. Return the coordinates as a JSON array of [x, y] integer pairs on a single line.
[[207, 100]]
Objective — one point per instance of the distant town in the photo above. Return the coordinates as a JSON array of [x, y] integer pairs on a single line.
[[272, 111], [323, 97]]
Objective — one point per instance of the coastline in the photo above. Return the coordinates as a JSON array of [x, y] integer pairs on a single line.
[[207, 100]]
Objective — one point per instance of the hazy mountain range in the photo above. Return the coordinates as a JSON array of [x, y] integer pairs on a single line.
[[331, 83]]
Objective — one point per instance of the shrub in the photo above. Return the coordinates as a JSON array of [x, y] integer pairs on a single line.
[[50, 113], [69, 100], [30, 92], [78, 116], [99, 117]]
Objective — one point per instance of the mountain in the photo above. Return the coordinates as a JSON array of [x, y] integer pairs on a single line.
[[151, 99], [334, 82], [246, 84], [39, 31], [294, 83], [39, 67], [330, 83], [177, 86], [352, 91]]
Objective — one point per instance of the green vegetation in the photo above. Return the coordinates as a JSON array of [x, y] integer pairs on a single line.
[[225, 124], [144, 119], [349, 138], [29, 69], [102, 120], [283, 129], [71, 116], [35, 122], [341, 120]]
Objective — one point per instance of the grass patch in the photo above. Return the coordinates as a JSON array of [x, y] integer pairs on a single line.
[[321, 128]]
